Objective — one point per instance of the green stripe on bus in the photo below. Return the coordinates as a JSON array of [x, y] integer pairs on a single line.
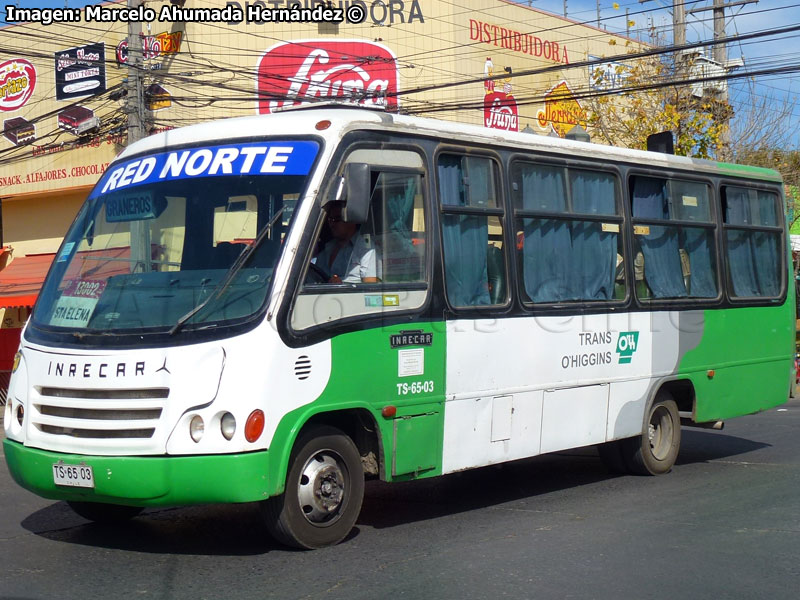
[[365, 375], [145, 481], [751, 353]]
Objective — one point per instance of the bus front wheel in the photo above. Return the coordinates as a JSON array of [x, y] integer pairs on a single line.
[[104, 513], [324, 491], [655, 451]]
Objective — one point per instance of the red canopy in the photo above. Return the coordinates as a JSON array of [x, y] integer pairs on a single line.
[[21, 280]]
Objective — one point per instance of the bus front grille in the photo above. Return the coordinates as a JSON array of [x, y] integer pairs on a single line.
[[98, 414], [97, 434], [131, 394]]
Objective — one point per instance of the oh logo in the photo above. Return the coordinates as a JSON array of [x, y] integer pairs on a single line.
[[626, 346]]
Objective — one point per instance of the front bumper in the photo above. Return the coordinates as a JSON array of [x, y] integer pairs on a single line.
[[145, 481]]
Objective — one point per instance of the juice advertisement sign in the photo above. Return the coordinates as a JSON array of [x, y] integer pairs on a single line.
[[303, 71]]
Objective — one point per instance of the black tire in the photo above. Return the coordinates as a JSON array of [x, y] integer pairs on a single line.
[[655, 451], [324, 491], [104, 513]]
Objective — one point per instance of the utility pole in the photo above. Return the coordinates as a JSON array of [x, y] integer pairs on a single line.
[[134, 105], [720, 56], [720, 53], [682, 94], [135, 97], [678, 23]]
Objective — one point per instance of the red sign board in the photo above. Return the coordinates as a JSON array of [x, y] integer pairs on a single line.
[[304, 71], [500, 111], [17, 81]]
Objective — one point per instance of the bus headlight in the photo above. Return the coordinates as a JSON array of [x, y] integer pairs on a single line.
[[197, 428], [17, 359], [227, 425]]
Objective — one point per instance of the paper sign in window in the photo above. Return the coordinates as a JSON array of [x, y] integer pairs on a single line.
[[77, 302], [410, 362]]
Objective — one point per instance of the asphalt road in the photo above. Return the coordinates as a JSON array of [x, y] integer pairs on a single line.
[[725, 523]]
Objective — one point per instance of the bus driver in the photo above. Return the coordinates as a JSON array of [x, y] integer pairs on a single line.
[[348, 257]]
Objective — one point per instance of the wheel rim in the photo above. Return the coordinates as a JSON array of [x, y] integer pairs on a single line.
[[660, 432], [321, 488]]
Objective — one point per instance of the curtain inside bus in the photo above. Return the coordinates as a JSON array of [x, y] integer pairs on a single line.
[[594, 251], [465, 237], [399, 209], [753, 255], [698, 244], [546, 256], [392, 219], [662, 263], [569, 258], [691, 202]]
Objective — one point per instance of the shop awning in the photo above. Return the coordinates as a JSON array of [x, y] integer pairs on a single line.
[[21, 280]]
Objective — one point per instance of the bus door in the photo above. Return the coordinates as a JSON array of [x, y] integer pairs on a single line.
[[366, 289]]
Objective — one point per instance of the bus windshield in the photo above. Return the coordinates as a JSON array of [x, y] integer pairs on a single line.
[[188, 237]]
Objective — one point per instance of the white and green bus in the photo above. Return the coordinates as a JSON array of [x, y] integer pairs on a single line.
[[503, 295]]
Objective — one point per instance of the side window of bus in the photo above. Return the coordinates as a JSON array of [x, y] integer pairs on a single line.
[[673, 226], [373, 267], [568, 224], [752, 221], [472, 231], [388, 248], [397, 219]]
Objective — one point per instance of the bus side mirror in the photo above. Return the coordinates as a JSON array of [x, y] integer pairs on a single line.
[[356, 192], [353, 188]]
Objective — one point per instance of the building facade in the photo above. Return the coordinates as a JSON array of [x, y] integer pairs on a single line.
[[62, 83]]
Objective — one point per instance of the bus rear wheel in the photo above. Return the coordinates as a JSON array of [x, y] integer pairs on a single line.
[[104, 513], [324, 492], [655, 451]]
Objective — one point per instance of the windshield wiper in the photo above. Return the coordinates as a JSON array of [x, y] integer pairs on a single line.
[[232, 271]]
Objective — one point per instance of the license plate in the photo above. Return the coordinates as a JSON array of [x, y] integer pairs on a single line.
[[73, 475]]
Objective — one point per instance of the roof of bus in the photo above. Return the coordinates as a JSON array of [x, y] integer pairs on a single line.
[[345, 119]]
